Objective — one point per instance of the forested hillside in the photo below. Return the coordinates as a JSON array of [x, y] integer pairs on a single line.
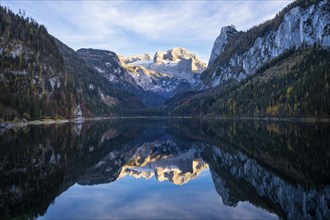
[[295, 84], [43, 78], [279, 68], [31, 70]]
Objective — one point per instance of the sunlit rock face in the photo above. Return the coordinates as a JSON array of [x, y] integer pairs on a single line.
[[300, 27], [167, 73], [135, 58], [174, 57], [176, 168]]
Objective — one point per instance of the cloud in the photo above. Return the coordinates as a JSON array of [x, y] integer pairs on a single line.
[[131, 27], [130, 198]]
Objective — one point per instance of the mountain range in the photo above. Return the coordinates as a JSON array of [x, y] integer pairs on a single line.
[[279, 68], [152, 80]]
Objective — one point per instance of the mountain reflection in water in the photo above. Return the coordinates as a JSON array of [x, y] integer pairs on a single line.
[[275, 167]]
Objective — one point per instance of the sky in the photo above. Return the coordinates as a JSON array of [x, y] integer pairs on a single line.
[[132, 27]]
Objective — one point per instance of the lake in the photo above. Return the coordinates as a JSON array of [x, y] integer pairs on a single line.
[[166, 169]]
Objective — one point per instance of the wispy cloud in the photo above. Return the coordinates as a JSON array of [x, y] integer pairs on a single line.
[[130, 27]]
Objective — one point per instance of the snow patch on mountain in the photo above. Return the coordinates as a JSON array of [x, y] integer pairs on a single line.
[[149, 78], [167, 71]]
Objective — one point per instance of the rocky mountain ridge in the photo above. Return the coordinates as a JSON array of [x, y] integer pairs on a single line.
[[134, 58], [43, 78], [220, 42], [276, 69], [238, 54], [177, 68]]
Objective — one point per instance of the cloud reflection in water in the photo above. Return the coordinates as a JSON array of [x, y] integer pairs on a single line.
[[140, 198]]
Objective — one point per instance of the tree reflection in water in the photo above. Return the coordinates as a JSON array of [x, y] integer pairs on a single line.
[[281, 167]]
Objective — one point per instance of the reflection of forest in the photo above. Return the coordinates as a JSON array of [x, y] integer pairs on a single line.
[[281, 167]]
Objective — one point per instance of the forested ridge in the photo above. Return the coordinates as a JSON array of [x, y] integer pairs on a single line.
[[295, 84], [42, 78], [29, 56]]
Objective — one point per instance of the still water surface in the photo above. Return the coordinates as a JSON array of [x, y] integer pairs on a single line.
[[160, 169]]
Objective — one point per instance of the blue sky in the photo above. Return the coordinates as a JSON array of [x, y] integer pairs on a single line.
[[136, 27]]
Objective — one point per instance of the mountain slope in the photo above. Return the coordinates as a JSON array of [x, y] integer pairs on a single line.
[[239, 54], [102, 98], [31, 71], [277, 69], [41, 77], [107, 64], [297, 84]]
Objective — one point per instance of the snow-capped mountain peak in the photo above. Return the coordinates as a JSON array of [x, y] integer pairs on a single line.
[[176, 55], [167, 72], [136, 58]]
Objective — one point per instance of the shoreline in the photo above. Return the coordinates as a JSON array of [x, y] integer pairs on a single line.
[[16, 125]]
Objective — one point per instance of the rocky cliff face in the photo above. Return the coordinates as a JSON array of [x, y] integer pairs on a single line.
[[226, 33], [239, 54]]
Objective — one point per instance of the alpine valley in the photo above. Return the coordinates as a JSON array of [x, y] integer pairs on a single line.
[[152, 80], [91, 134], [279, 68]]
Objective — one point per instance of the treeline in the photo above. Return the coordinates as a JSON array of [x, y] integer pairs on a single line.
[[293, 86]]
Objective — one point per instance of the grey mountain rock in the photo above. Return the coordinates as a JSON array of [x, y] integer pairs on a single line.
[[299, 27], [226, 33]]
